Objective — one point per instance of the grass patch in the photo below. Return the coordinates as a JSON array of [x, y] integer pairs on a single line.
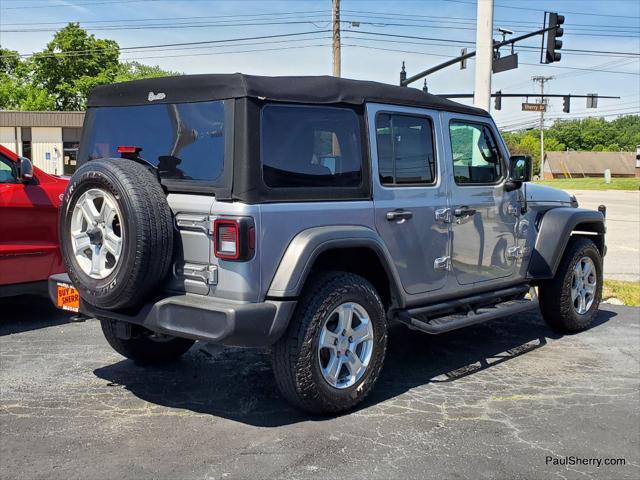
[[593, 184], [628, 292]]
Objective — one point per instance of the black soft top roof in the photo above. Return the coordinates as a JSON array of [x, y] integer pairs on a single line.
[[317, 89]]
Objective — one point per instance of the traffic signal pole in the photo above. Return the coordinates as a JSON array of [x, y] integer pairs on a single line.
[[484, 54], [404, 81]]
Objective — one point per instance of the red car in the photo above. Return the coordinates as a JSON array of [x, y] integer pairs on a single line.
[[29, 203]]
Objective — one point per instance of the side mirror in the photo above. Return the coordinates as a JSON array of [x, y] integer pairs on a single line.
[[25, 170], [520, 170]]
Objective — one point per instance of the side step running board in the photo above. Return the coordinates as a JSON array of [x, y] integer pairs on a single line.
[[452, 321]]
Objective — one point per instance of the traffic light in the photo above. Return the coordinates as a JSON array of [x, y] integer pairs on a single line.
[[566, 103], [498, 100], [553, 44]]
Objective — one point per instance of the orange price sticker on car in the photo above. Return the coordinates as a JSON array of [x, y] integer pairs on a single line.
[[68, 298]]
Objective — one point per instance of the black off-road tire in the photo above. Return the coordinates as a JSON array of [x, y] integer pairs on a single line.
[[148, 243], [555, 295], [142, 348], [294, 356]]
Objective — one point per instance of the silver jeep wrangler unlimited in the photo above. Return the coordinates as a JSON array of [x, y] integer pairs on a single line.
[[307, 214]]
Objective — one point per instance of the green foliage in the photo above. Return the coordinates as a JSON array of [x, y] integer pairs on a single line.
[[527, 142], [72, 64], [62, 75], [137, 71], [16, 90], [591, 134]]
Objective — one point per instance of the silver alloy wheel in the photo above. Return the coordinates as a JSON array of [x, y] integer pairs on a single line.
[[345, 345], [583, 285], [97, 233]]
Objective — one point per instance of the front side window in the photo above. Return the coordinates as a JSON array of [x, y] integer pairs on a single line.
[[405, 149], [185, 141], [476, 158], [304, 146], [7, 171]]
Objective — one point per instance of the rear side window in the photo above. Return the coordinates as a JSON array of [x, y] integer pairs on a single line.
[[185, 141], [405, 149], [476, 158], [304, 146]]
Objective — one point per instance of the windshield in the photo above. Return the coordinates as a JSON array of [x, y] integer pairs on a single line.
[[184, 141]]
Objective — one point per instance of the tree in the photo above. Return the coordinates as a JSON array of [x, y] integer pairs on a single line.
[[16, 90], [137, 71], [72, 64], [9, 61]]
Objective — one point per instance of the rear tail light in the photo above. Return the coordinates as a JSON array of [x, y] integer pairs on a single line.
[[234, 238]]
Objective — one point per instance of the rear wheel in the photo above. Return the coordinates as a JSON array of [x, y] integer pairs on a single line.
[[570, 301], [333, 351], [146, 347]]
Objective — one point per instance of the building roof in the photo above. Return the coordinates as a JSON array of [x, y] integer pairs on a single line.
[[41, 119], [578, 163], [316, 89]]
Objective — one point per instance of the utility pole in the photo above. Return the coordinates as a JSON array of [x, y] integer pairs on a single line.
[[484, 54], [541, 80], [336, 37]]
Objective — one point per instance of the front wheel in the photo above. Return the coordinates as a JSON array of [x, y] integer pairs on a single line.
[[145, 347], [570, 301], [333, 351]]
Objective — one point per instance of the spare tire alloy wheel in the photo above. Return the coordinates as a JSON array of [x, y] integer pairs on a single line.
[[97, 234], [116, 233], [345, 345]]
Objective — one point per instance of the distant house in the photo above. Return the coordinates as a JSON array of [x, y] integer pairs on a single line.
[[589, 164]]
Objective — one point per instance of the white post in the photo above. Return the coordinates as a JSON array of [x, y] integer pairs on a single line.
[[484, 54]]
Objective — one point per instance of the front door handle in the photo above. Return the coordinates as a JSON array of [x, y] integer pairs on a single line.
[[399, 215], [464, 211]]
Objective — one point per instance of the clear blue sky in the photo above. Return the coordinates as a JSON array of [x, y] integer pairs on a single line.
[[611, 25]]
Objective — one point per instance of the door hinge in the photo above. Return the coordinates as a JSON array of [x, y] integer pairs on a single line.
[[442, 263], [204, 223], [443, 215], [204, 273]]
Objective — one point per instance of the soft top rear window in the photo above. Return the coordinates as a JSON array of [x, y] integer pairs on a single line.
[[185, 141]]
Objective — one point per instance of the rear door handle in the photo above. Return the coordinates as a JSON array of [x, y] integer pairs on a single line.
[[399, 215], [464, 211]]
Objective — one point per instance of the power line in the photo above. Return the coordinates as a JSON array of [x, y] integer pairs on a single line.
[[541, 11], [181, 44], [522, 63], [472, 19], [89, 4], [234, 52], [313, 13]]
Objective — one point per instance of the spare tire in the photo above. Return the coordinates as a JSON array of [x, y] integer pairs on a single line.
[[116, 232]]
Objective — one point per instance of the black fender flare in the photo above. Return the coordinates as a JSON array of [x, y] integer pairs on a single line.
[[304, 249], [554, 230]]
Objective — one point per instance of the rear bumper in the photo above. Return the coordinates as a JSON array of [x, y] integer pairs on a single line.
[[201, 318]]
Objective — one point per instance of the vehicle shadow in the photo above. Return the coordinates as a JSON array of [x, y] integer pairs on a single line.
[[29, 312], [237, 384]]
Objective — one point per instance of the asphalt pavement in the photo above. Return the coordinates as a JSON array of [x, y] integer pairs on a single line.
[[502, 400]]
